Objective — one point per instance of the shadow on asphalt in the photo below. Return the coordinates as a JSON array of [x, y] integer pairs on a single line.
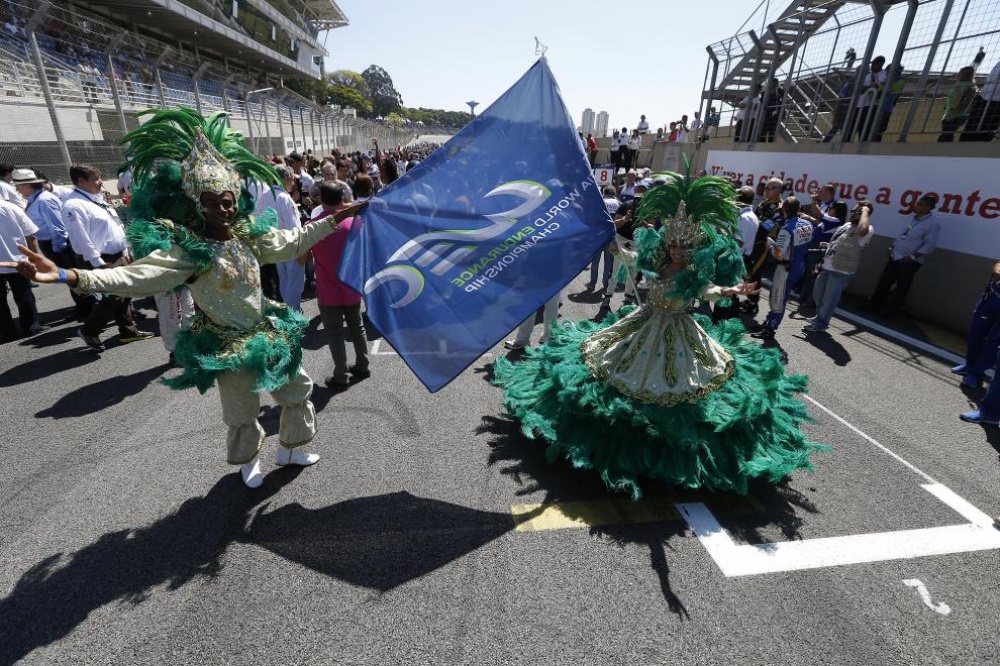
[[392, 414], [376, 542], [57, 594], [96, 397], [46, 366], [525, 461], [827, 344]]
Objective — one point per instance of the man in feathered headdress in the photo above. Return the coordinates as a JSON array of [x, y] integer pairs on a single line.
[[191, 225]]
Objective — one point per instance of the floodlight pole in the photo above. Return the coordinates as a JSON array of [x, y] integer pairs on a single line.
[[112, 79], [159, 80], [922, 84], [43, 80], [246, 101], [897, 56]]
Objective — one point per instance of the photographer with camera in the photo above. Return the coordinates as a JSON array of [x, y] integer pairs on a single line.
[[841, 257], [826, 217]]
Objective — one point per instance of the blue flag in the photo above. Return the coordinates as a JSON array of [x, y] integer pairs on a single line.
[[465, 246]]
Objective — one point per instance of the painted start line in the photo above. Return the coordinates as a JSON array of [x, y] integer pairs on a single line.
[[978, 533]]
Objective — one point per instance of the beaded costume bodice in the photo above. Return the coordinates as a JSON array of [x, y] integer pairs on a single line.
[[230, 293], [662, 296]]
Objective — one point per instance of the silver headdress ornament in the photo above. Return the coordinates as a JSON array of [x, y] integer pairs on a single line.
[[206, 170], [683, 229]]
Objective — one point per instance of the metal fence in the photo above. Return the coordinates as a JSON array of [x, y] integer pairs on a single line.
[[72, 84], [794, 70]]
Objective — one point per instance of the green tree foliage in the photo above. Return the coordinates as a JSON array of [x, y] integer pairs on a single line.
[[384, 96], [313, 89], [347, 97], [371, 93], [450, 119], [350, 79]]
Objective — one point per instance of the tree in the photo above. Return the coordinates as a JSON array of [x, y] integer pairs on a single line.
[[346, 97], [384, 96], [313, 89], [351, 79]]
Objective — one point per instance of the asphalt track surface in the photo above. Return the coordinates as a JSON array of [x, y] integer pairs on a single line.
[[432, 532]]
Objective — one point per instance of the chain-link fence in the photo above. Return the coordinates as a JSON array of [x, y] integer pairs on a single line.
[[72, 84], [795, 70]]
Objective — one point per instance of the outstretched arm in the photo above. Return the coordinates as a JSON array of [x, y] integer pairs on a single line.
[[279, 245], [157, 273], [714, 293]]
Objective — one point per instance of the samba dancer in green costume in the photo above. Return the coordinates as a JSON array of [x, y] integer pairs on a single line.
[[191, 226], [654, 392]]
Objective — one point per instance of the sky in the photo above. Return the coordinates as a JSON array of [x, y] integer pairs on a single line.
[[440, 54], [443, 53]]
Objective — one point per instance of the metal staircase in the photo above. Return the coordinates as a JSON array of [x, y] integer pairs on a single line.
[[809, 103], [799, 21]]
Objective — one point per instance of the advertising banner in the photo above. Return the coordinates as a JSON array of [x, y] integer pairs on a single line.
[[968, 188]]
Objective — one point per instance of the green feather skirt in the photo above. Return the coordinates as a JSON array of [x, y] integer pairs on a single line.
[[271, 351], [746, 428]]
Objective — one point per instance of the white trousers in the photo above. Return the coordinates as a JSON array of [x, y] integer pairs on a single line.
[[174, 312], [549, 315], [291, 282]]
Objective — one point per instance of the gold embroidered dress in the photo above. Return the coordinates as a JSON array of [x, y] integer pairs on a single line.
[[659, 354]]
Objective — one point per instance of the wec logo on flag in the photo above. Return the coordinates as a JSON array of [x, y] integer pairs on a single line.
[[438, 250]]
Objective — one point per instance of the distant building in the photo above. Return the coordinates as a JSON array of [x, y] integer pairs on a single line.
[[602, 124], [587, 126]]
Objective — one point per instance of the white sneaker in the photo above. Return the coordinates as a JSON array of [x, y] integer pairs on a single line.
[[251, 473], [299, 457], [515, 344]]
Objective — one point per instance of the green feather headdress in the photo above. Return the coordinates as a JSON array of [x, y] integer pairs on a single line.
[[691, 208], [211, 154]]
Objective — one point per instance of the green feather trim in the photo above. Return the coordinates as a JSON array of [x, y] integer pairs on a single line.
[[749, 427], [271, 351], [147, 235]]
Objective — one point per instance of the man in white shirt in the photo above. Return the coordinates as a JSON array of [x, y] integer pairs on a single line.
[[984, 114], [291, 274], [8, 192], [16, 228], [870, 87], [746, 232], [747, 108], [643, 126], [696, 123], [620, 146], [682, 130], [296, 163], [98, 238]]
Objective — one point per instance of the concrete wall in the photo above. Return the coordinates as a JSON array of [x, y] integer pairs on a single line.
[[31, 118]]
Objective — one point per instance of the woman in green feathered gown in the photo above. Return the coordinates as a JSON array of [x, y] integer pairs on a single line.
[[656, 392]]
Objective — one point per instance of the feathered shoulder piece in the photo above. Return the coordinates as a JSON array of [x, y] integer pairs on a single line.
[[209, 151]]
